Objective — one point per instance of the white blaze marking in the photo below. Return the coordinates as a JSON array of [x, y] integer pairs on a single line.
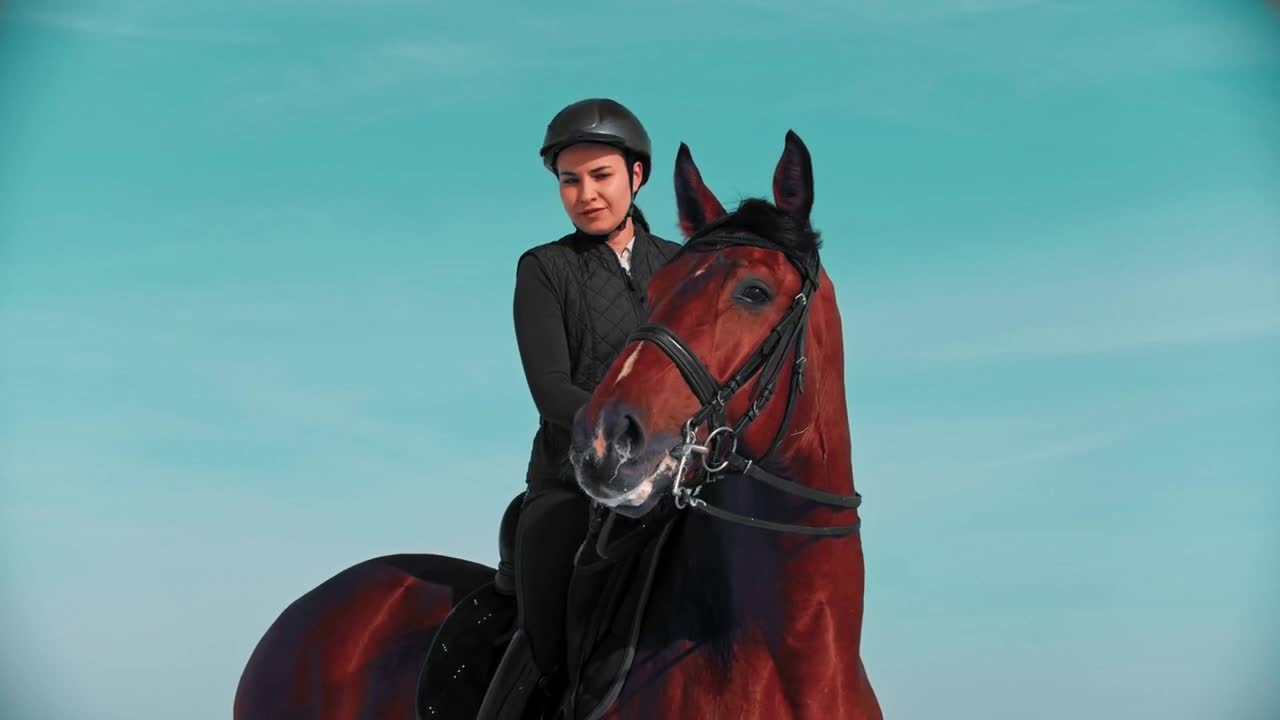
[[628, 366]]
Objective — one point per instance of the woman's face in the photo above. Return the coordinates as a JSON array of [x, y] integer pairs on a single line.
[[593, 186]]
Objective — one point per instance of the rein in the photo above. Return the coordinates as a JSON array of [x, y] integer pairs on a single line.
[[720, 451]]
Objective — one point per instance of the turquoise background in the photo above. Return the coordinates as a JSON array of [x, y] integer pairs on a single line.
[[256, 263]]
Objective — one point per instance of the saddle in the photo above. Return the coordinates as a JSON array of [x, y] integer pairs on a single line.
[[608, 593], [471, 641]]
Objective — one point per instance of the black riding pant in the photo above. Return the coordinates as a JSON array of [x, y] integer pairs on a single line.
[[552, 525]]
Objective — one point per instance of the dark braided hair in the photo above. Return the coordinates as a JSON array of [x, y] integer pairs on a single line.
[[638, 218]]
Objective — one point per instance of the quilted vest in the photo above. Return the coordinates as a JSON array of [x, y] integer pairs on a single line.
[[601, 306]]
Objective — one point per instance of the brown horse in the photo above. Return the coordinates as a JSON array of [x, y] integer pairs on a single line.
[[756, 611], [723, 574]]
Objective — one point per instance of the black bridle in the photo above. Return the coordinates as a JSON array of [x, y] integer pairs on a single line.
[[720, 453]]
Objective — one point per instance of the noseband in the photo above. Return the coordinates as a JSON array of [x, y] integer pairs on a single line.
[[720, 453]]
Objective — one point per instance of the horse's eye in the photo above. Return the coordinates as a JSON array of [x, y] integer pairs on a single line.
[[754, 294]]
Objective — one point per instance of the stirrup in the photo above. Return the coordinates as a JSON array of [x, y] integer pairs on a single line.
[[514, 682]]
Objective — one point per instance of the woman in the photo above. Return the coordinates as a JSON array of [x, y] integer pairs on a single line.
[[576, 301]]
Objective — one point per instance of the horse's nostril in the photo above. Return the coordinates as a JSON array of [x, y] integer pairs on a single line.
[[625, 434], [632, 434]]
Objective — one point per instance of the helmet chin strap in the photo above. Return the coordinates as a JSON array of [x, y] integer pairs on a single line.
[[631, 206]]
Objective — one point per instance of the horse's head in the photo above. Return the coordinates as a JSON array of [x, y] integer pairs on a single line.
[[742, 328]]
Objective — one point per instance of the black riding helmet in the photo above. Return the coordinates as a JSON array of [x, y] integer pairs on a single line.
[[604, 121]]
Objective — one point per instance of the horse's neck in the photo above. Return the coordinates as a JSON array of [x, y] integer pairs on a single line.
[[798, 599]]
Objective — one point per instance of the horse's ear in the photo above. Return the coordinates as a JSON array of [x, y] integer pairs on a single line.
[[695, 203], [793, 179]]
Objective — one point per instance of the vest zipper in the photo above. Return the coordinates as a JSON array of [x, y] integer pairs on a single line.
[[635, 295], [634, 288]]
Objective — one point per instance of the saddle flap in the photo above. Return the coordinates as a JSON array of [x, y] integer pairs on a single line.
[[466, 649]]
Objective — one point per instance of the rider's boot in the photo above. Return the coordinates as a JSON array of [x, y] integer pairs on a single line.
[[550, 525]]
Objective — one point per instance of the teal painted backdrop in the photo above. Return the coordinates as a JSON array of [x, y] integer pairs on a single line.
[[257, 262]]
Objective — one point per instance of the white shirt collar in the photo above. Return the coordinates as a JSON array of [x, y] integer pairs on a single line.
[[624, 257]]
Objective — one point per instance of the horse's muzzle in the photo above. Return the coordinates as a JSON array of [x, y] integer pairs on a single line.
[[612, 460]]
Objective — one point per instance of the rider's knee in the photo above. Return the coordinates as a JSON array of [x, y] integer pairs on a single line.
[[504, 580]]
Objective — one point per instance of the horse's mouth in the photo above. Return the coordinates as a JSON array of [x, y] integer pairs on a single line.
[[635, 486]]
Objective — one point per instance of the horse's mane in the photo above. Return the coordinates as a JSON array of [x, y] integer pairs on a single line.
[[760, 218]]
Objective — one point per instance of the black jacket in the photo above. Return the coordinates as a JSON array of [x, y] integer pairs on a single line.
[[574, 308]]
